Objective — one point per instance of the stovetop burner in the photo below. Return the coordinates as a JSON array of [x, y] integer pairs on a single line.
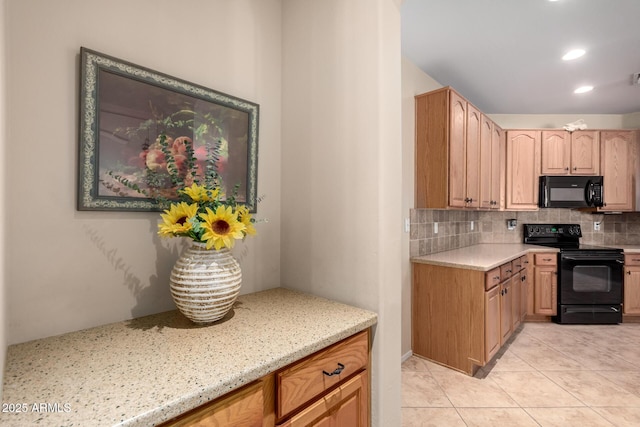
[[566, 237]]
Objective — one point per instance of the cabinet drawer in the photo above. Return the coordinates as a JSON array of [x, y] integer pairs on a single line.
[[491, 278], [348, 405], [506, 271], [519, 263], [632, 259], [244, 407], [303, 381], [546, 259]]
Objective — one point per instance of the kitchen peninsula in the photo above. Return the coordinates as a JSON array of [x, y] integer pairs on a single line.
[[467, 302], [150, 370]]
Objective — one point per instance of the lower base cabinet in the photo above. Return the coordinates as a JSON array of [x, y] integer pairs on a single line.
[[462, 317], [346, 406], [328, 388]]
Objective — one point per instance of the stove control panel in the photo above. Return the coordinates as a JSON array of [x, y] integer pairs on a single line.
[[552, 230]]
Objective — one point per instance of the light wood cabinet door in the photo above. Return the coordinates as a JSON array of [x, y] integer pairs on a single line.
[[524, 292], [492, 322], [545, 282], [585, 152], [616, 160], [506, 308], [486, 163], [348, 405], [251, 406], [523, 169], [472, 172], [497, 167], [631, 290], [516, 289], [556, 152], [457, 150]]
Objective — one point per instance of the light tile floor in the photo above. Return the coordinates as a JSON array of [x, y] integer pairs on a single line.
[[546, 375]]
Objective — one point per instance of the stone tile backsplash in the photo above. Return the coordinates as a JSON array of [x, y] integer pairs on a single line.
[[454, 227]]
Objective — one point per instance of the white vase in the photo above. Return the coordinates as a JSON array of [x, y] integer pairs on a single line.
[[205, 283]]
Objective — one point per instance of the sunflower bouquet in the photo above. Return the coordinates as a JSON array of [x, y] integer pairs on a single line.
[[201, 210]]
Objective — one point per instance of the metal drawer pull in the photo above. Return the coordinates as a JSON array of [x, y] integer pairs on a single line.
[[336, 372]]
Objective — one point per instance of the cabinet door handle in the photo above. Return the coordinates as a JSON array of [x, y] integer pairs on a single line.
[[336, 372], [508, 271], [635, 259], [566, 169], [547, 259], [496, 277], [629, 272]]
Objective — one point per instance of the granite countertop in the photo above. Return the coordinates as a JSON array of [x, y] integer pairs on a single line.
[[148, 370], [483, 257]]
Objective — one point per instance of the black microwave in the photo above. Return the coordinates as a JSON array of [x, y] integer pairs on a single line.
[[570, 192]]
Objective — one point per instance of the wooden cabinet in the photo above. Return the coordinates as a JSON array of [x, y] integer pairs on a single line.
[[631, 303], [570, 153], [506, 306], [491, 164], [492, 322], [522, 169], [545, 284], [455, 161], [330, 387], [524, 287], [308, 379], [617, 161], [250, 406], [516, 289], [346, 406], [461, 317]]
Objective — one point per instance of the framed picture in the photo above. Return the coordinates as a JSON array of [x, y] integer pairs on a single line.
[[124, 111]]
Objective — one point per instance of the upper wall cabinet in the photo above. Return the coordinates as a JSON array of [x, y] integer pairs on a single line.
[[570, 153], [618, 164], [453, 167], [523, 169]]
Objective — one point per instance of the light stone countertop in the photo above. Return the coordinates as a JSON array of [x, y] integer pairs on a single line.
[[483, 257], [628, 249], [148, 370]]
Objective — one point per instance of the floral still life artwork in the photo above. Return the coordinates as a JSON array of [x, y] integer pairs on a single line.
[[202, 211], [149, 128]]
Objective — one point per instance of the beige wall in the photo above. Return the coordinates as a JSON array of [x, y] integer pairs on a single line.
[[631, 121], [342, 168], [557, 121], [3, 182], [414, 82], [68, 270]]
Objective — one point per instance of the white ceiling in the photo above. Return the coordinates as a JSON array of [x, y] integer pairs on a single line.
[[505, 55]]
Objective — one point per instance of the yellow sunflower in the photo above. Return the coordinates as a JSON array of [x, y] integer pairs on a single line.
[[245, 217], [199, 193], [222, 227], [176, 219]]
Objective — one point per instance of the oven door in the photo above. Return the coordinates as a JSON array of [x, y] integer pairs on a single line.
[[590, 278]]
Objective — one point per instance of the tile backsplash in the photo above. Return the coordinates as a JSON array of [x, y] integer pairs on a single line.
[[457, 228]]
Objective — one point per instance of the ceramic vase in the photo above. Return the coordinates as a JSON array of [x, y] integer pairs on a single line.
[[205, 283]]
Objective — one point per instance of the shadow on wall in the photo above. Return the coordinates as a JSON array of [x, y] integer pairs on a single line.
[[145, 291]]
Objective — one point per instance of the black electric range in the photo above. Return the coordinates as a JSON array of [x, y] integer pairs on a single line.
[[590, 278]]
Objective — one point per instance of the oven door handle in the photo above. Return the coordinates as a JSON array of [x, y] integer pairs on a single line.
[[592, 258]]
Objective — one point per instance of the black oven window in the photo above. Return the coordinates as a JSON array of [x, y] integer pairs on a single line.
[[591, 278]]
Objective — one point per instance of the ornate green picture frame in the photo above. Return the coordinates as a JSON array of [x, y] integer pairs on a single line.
[[123, 110]]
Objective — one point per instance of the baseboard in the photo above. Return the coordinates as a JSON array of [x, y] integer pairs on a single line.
[[406, 356]]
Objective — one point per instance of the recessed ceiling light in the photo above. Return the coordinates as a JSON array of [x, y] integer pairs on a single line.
[[573, 54], [583, 89]]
